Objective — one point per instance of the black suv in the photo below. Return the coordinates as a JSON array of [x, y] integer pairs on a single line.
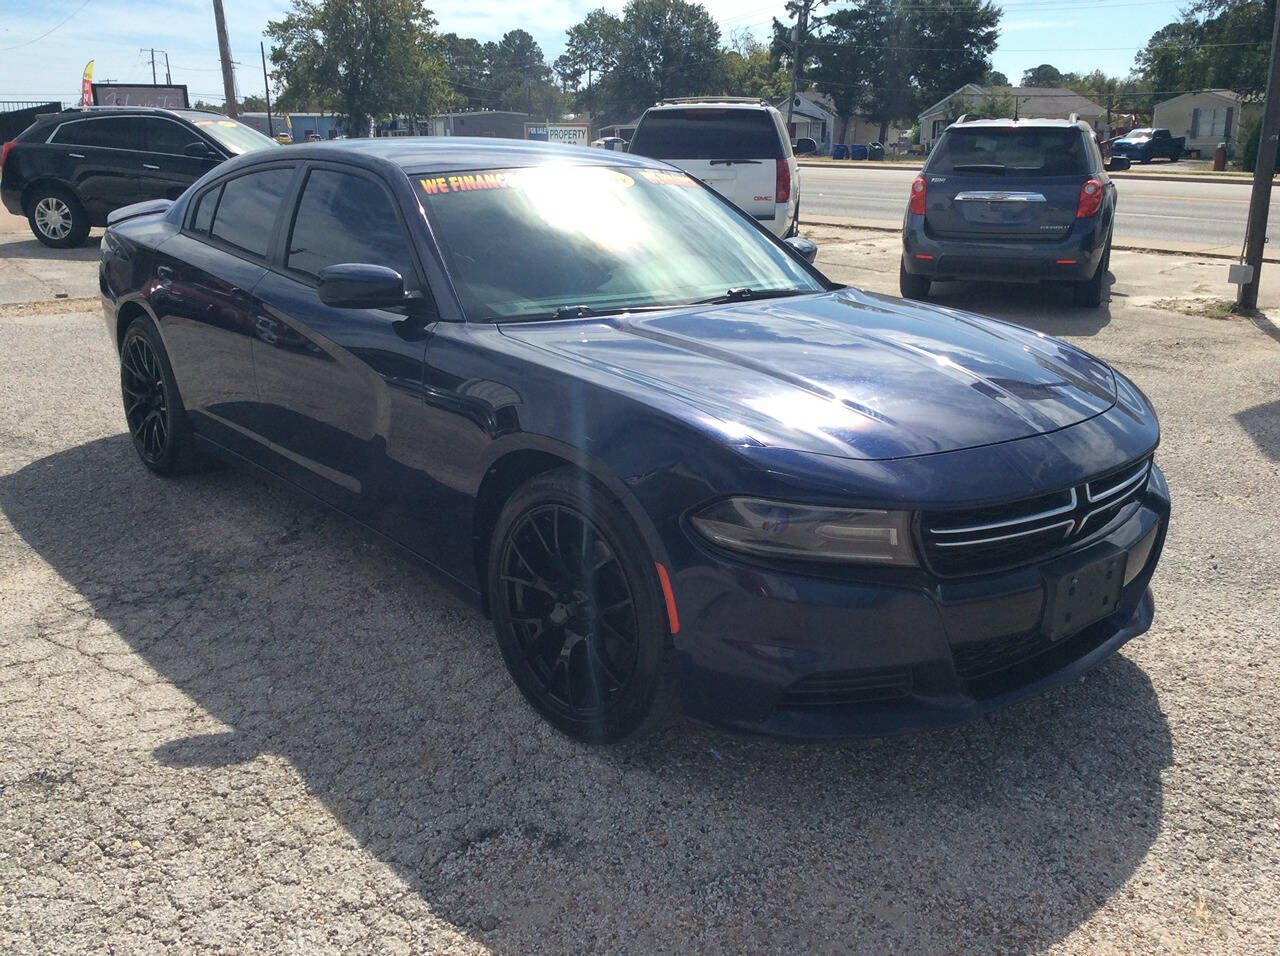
[[1014, 201], [67, 170]]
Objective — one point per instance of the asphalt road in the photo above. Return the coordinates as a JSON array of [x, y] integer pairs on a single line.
[[1211, 213]]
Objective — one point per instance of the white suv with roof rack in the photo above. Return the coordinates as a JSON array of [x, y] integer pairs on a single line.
[[737, 146]]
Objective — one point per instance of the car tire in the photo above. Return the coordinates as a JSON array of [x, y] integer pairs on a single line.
[[795, 223], [56, 218], [1090, 293], [912, 286], [578, 611], [153, 409]]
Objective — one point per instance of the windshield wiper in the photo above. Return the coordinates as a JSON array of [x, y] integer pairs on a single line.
[[998, 168], [581, 312], [732, 162], [745, 295]]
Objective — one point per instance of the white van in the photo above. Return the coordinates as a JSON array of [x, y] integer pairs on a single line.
[[739, 147]]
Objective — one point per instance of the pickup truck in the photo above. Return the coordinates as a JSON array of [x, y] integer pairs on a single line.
[[1144, 145]]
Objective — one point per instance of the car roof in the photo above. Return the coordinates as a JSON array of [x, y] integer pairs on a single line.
[[420, 154], [710, 102], [1034, 123], [84, 112]]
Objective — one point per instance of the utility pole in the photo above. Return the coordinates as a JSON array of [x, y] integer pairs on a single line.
[[797, 34], [153, 66], [224, 53], [271, 130], [1255, 236], [168, 77]]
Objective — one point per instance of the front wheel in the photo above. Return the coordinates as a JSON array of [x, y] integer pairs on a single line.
[[577, 610], [57, 219], [912, 286]]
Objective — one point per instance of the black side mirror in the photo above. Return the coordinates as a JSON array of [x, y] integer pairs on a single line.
[[1118, 164], [358, 285], [198, 150], [807, 248]]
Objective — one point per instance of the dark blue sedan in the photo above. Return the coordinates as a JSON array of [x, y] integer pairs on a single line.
[[669, 458]]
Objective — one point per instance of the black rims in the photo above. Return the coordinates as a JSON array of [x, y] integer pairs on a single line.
[[572, 609], [577, 609], [146, 401]]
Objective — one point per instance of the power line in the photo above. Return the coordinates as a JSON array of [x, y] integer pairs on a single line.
[[56, 26]]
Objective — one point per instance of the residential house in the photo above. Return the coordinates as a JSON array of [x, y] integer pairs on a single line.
[[624, 130], [1029, 102], [813, 116], [1208, 118]]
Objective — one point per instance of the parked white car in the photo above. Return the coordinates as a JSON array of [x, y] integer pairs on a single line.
[[739, 147]]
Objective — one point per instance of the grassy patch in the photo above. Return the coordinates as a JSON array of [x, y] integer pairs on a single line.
[[1203, 308]]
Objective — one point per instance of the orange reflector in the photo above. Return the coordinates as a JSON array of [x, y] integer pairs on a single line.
[[672, 617], [1065, 262], [921, 255]]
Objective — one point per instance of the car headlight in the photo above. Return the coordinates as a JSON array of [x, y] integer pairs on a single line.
[[782, 529]]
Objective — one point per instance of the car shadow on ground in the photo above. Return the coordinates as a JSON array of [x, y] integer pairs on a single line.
[[1044, 307], [1262, 423], [32, 248], [308, 639]]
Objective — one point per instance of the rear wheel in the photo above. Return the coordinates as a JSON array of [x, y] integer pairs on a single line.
[[153, 409], [577, 610], [912, 286], [1090, 293], [57, 219]]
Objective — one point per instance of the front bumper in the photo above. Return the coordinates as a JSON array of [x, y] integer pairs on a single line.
[[1072, 258], [887, 651]]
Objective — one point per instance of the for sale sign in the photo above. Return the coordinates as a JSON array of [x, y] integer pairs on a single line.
[[565, 134]]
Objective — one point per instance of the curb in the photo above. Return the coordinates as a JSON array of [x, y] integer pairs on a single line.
[[1166, 248], [1237, 179]]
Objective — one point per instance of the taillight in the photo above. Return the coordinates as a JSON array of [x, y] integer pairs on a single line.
[[782, 182], [4, 152], [916, 206], [1090, 199]]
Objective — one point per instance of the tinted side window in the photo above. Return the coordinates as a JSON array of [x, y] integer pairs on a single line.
[[205, 206], [111, 132], [249, 207], [708, 133], [166, 136], [347, 218]]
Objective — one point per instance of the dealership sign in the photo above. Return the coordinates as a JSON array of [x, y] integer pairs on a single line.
[[566, 135]]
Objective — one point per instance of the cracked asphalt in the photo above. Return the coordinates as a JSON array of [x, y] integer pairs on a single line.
[[234, 722]]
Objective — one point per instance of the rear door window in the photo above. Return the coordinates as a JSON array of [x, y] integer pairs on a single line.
[[206, 205], [250, 204], [1004, 151], [708, 133], [105, 132], [343, 217]]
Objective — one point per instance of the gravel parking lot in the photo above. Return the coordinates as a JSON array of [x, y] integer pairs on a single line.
[[233, 721]]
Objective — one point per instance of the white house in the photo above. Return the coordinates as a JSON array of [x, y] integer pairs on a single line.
[[1029, 102], [1208, 118], [812, 116]]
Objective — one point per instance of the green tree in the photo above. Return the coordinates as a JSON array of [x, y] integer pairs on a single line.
[[590, 51], [995, 78], [749, 69], [519, 76], [1215, 44], [997, 104], [1046, 74], [666, 48], [467, 69], [362, 59]]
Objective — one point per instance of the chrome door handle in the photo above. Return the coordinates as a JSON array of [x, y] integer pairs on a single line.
[[149, 166], [76, 155]]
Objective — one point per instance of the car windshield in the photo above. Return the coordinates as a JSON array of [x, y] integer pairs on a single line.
[[236, 137], [577, 240], [708, 133], [1138, 134], [1003, 150]]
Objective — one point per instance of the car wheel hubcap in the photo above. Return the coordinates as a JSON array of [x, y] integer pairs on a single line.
[[146, 407], [570, 604], [53, 217]]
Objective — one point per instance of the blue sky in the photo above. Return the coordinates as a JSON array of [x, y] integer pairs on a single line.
[[1076, 35]]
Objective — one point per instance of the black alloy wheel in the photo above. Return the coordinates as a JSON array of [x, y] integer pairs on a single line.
[[153, 409], [579, 621]]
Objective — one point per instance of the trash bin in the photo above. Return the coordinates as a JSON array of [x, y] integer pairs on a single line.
[[858, 151], [875, 151], [1220, 158], [840, 151]]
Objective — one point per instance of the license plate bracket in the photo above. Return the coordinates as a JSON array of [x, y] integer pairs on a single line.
[[1083, 595]]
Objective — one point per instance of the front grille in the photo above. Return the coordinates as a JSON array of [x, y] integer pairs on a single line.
[[846, 689], [977, 540]]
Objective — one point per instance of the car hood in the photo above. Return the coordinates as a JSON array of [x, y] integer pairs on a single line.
[[1136, 141], [843, 373]]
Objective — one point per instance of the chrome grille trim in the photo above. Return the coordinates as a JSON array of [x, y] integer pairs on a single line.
[[1008, 537], [992, 526], [1134, 479]]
